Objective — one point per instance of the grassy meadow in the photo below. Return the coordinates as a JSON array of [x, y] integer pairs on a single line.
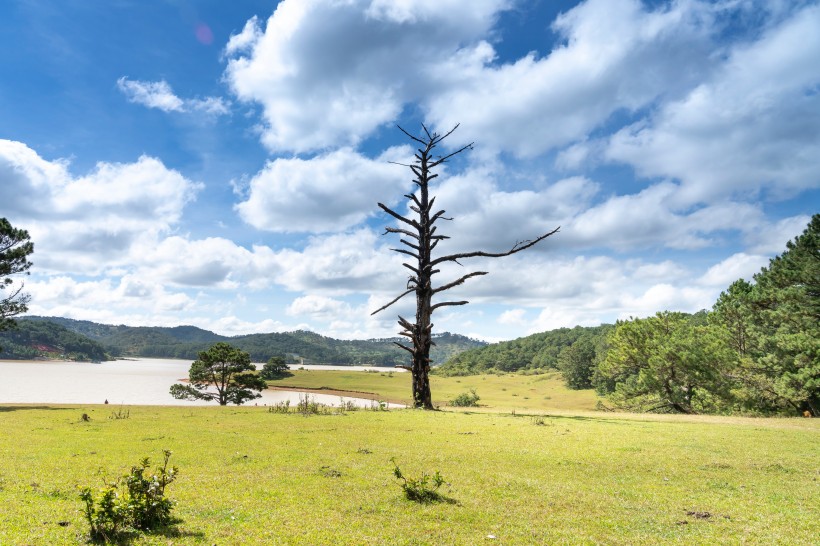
[[248, 476], [506, 392]]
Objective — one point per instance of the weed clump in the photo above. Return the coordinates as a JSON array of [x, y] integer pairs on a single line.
[[423, 489], [133, 503]]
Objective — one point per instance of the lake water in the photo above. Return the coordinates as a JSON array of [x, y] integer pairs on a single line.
[[143, 381]]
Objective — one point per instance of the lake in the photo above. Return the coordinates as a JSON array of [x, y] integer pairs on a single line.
[[143, 381]]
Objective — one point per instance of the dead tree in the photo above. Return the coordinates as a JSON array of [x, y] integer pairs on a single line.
[[418, 233]]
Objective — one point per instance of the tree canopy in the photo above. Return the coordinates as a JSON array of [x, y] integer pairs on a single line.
[[274, 368], [15, 248], [222, 373]]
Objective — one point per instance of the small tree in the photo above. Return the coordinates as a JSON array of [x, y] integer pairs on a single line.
[[420, 242], [274, 368], [15, 248], [226, 369]]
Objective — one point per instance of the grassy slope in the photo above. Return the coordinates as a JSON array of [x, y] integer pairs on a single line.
[[498, 393], [252, 477]]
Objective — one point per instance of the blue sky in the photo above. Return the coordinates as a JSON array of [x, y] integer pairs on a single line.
[[219, 163]]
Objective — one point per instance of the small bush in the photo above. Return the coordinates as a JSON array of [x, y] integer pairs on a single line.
[[280, 407], [120, 414], [134, 502], [423, 489], [466, 399]]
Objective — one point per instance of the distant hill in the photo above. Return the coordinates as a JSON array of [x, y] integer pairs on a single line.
[[300, 346], [40, 339], [535, 352]]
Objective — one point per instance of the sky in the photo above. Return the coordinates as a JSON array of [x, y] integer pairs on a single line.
[[219, 164]]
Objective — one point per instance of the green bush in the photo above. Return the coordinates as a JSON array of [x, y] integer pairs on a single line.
[[134, 502], [466, 399], [423, 489]]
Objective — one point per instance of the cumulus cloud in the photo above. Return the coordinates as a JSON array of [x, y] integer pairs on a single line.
[[159, 95], [104, 299], [90, 223], [753, 125], [331, 73], [616, 55], [341, 264], [208, 262], [330, 192]]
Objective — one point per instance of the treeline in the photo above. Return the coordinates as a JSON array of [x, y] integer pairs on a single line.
[[574, 350], [757, 350], [186, 342], [29, 340]]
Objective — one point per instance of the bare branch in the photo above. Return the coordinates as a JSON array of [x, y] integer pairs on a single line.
[[458, 282], [446, 303], [402, 251], [448, 156], [398, 216], [408, 243], [420, 141], [411, 268], [438, 215], [405, 347], [403, 231], [517, 248], [392, 302], [414, 198]]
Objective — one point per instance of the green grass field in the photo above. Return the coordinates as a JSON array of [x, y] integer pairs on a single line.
[[508, 392], [248, 476]]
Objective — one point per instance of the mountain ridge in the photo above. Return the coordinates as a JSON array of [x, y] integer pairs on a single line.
[[186, 341]]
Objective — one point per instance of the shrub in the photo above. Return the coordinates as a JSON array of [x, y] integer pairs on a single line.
[[132, 502], [466, 399], [280, 407], [423, 489]]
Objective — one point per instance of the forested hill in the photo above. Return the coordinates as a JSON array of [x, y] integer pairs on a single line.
[[535, 352], [36, 339], [186, 341]]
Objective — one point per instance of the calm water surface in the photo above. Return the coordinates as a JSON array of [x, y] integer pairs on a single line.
[[142, 381]]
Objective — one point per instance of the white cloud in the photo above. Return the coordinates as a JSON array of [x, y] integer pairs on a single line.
[[654, 217], [737, 266], [331, 73], [515, 317], [151, 94], [212, 262], [104, 299], [245, 40], [754, 125], [90, 223], [616, 55], [770, 239], [331, 192], [341, 264], [159, 95]]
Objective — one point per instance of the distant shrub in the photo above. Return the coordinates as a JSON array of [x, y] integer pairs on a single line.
[[466, 399], [120, 413], [280, 407]]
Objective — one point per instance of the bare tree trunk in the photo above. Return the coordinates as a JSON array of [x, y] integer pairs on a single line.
[[421, 240]]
